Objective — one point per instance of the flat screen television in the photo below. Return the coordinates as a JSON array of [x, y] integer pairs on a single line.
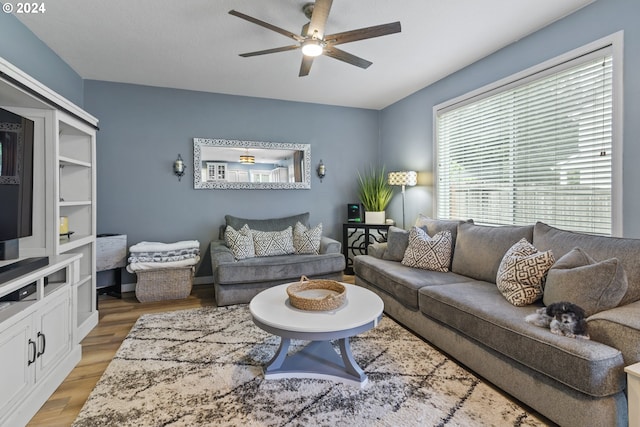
[[16, 182]]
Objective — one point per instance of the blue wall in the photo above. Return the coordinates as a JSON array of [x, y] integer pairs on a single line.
[[407, 126], [22, 48], [144, 128]]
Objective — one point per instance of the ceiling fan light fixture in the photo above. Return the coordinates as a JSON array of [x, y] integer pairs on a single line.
[[312, 47]]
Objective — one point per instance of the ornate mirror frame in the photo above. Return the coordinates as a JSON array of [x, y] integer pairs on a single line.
[[200, 183]]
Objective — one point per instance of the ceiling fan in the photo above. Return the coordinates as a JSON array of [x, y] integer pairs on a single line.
[[313, 41]]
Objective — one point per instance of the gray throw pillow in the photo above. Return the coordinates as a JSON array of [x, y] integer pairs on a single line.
[[240, 242], [397, 242], [428, 253], [578, 278], [522, 273], [272, 243]]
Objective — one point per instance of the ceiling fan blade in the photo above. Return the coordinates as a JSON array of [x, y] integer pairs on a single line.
[[305, 67], [341, 55], [274, 50], [267, 25], [363, 33], [319, 17]]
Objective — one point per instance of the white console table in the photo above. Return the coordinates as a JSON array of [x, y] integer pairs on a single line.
[[38, 348]]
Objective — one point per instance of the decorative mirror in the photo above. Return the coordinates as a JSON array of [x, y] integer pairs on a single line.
[[250, 165]]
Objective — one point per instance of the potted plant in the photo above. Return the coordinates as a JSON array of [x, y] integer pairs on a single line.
[[375, 194]]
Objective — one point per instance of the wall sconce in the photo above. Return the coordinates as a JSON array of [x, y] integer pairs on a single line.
[[179, 167], [321, 170]]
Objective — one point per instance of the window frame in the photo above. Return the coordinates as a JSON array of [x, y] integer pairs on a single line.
[[615, 43]]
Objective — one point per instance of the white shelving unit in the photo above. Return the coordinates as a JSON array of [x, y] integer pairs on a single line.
[[64, 306], [75, 189]]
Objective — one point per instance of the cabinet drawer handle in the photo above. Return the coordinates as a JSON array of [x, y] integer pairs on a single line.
[[32, 355], [43, 343]]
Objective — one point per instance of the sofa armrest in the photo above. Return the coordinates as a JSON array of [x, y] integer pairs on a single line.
[[329, 246], [377, 250], [220, 254], [618, 328]]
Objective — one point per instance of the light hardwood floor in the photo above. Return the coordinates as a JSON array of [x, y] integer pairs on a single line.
[[117, 316]]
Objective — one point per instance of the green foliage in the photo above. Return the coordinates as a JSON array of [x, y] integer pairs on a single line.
[[374, 190]]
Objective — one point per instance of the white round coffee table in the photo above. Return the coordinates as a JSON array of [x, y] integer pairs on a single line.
[[272, 312]]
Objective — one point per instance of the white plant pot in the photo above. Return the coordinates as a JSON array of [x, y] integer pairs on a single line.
[[374, 217]]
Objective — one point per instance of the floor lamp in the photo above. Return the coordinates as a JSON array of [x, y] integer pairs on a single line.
[[405, 178]]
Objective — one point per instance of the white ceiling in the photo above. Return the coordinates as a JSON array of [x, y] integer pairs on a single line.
[[194, 44]]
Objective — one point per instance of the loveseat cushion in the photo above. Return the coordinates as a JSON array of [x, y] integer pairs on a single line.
[[400, 281], [600, 248], [478, 311], [479, 248], [262, 269], [271, 224]]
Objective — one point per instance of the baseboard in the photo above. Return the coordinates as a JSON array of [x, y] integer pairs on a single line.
[[201, 280]]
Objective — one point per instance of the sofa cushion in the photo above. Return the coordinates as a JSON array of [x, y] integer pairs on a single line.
[[396, 245], [429, 253], [281, 267], [272, 243], [271, 224], [478, 311], [433, 226], [240, 242], [400, 281], [627, 251], [522, 272], [593, 285], [479, 249], [307, 240]]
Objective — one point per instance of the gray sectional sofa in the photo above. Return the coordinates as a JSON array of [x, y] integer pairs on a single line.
[[572, 382], [237, 281]]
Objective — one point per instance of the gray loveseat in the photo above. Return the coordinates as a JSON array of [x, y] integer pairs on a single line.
[[573, 382], [237, 281]]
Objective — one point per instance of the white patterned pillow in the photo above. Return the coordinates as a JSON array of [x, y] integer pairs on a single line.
[[307, 240], [429, 253], [522, 273], [240, 242], [270, 243]]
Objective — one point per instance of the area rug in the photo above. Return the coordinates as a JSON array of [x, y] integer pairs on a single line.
[[203, 367]]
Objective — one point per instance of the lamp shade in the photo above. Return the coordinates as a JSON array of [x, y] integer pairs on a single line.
[[409, 178]]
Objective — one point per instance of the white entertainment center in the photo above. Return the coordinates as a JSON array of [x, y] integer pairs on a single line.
[[40, 335]]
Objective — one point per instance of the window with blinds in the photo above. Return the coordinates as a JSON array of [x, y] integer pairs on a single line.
[[538, 149]]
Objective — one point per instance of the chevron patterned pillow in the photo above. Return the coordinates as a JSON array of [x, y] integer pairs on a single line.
[[522, 273], [240, 242], [271, 243], [428, 253], [307, 240]]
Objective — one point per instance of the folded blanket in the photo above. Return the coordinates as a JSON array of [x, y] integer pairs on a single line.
[[160, 247], [138, 266], [137, 259]]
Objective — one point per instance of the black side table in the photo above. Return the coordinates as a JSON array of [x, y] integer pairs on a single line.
[[356, 238]]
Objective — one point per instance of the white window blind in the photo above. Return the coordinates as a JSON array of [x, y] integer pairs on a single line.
[[539, 149]]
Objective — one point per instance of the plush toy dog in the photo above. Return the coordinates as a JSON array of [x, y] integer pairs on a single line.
[[562, 318]]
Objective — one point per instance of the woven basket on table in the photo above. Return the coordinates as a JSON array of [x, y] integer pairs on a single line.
[[164, 284], [328, 302]]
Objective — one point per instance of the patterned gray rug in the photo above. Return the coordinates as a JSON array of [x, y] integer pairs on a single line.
[[203, 367]]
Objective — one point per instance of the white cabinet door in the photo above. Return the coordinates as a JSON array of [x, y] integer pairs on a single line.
[[17, 357], [53, 332]]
